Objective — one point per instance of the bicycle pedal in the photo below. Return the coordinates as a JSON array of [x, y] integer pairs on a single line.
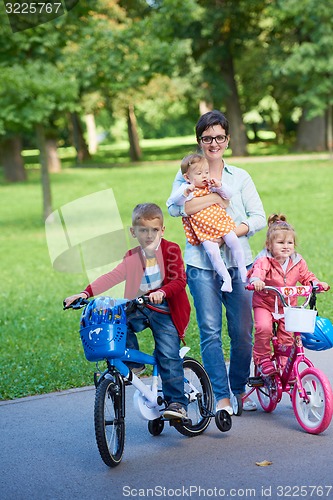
[[255, 382], [183, 421]]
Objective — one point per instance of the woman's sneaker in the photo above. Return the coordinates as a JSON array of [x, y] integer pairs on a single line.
[[175, 410]]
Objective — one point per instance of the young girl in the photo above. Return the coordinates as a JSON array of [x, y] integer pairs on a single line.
[[208, 225], [277, 265]]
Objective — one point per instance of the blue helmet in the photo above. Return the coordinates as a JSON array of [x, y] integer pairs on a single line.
[[322, 337], [103, 310]]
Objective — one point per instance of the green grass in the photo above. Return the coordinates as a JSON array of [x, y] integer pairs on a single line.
[[40, 346]]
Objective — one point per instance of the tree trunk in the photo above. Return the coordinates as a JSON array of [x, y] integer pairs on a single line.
[[133, 137], [12, 160], [53, 160], [311, 134], [204, 107], [238, 141], [79, 142], [46, 186], [92, 133]]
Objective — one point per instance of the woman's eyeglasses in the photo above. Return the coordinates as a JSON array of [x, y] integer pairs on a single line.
[[208, 139]]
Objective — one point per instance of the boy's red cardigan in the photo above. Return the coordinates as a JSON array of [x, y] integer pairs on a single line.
[[131, 270]]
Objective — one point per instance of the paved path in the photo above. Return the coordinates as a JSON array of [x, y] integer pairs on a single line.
[[48, 452]]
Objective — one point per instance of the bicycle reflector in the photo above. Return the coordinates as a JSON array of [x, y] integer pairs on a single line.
[[322, 337], [103, 329]]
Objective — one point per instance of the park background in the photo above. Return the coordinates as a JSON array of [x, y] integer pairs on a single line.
[[107, 96]]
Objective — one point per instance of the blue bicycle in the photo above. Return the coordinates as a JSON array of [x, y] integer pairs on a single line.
[[103, 332]]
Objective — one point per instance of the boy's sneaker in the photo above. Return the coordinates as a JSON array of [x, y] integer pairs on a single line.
[[175, 410]]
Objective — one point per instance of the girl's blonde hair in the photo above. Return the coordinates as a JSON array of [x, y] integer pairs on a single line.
[[277, 223], [190, 160]]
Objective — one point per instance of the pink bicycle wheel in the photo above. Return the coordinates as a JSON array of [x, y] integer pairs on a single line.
[[268, 394], [315, 415]]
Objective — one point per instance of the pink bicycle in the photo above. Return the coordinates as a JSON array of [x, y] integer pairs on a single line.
[[309, 389]]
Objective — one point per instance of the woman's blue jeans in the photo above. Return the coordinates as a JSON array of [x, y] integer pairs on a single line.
[[167, 346], [205, 288]]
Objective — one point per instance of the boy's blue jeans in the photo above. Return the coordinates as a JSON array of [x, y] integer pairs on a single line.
[[167, 344], [205, 288]]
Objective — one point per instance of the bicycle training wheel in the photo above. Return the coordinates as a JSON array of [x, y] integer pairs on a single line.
[[268, 394], [315, 415], [109, 424], [199, 392]]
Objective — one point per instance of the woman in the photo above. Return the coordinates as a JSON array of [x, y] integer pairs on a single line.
[[246, 209]]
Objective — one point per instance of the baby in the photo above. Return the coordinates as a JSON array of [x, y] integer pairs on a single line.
[[209, 224]]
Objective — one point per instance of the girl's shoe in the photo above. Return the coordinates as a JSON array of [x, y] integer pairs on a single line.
[[267, 367]]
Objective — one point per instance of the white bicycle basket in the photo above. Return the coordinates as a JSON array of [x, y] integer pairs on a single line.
[[299, 320]]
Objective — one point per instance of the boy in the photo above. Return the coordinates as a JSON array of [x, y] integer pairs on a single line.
[[154, 268]]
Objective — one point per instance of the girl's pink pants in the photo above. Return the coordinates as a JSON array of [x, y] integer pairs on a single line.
[[263, 322]]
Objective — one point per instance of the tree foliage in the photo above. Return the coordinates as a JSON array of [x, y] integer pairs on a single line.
[[301, 42]]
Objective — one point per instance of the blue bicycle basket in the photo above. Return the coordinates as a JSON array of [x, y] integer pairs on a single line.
[[103, 329], [322, 337]]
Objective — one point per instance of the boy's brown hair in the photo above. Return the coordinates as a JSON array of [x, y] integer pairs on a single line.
[[146, 211]]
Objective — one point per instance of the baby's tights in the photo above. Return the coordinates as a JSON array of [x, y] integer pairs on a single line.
[[213, 251]]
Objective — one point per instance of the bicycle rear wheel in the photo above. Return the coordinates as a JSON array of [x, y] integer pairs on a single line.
[[199, 392], [314, 415], [109, 422], [268, 394]]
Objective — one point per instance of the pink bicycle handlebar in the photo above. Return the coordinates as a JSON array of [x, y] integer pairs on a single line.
[[289, 291]]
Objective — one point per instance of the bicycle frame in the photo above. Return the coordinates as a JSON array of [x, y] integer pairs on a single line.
[[117, 366], [295, 356]]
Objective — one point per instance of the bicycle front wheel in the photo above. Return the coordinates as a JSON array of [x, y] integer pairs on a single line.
[[315, 414], [109, 422], [199, 392]]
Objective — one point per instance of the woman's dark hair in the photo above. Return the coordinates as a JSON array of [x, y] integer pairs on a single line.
[[210, 119]]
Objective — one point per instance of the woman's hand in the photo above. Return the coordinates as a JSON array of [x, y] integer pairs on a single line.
[[199, 203]]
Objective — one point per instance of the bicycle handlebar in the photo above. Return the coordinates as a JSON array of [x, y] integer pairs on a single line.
[[77, 304], [80, 303], [289, 291]]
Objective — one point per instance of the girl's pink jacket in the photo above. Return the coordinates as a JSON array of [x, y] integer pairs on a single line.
[[267, 269], [131, 270]]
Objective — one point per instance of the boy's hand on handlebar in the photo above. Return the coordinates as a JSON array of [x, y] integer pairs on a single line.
[[156, 297], [69, 300]]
